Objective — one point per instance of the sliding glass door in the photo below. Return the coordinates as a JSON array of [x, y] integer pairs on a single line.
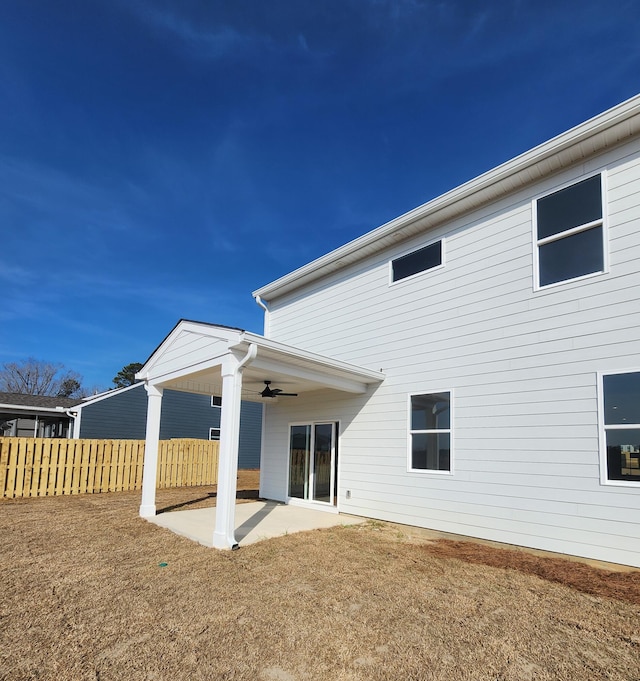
[[313, 460]]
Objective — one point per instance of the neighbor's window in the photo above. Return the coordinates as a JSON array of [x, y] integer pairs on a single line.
[[621, 423], [216, 401], [214, 433], [570, 232], [430, 432], [417, 261]]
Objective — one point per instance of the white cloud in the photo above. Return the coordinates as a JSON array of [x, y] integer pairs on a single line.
[[18, 276]]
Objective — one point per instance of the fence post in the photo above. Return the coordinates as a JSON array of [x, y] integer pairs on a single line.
[[4, 464]]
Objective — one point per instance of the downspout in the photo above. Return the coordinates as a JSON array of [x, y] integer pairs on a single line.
[[252, 353], [267, 316], [74, 423]]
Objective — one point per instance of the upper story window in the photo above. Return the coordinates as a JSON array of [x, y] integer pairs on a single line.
[[620, 427], [423, 259], [430, 432], [570, 235]]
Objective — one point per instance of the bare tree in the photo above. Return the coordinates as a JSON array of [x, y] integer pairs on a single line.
[[36, 377]]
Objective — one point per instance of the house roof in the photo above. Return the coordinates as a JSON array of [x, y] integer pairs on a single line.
[[16, 405], [598, 134], [44, 401]]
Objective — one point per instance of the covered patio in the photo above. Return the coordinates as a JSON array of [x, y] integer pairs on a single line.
[[254, 521], [234, 365]]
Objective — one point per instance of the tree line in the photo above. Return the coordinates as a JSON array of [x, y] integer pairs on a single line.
[[38, 377]]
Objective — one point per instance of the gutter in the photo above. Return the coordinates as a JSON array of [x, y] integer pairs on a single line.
[[34, 410]]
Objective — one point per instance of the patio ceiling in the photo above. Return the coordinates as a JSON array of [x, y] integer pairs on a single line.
[[191, 356]]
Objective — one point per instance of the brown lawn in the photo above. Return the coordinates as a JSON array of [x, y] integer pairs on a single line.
[[85, 596]]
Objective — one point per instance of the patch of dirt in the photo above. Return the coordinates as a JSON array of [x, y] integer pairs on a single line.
[[623, 586]]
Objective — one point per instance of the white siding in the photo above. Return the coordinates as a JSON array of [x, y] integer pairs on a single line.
[[522, 365]]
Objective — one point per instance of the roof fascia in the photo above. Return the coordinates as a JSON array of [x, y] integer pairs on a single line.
[[288, 352], [104, 396], [579, 143], [32, 409]]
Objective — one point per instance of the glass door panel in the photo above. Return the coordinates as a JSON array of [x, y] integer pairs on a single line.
[[322, 458], [299, 460]]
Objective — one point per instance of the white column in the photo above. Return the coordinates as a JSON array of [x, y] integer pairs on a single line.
[[150, 468], [224, 532]]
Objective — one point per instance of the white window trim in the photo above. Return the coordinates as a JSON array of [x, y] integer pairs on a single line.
[[602, 436], [422, 272], [211, 430], [569, 232], [410, 432]]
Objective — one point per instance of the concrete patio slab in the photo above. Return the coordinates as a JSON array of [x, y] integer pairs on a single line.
[[255, 521]]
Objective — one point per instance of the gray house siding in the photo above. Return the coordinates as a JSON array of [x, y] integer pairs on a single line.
[[123, 416], [186, 415], [250, 435]]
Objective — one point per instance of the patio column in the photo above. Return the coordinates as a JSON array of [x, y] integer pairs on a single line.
[[150, 468], [231, 370]]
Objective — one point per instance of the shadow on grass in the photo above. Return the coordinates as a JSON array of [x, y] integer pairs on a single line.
[[240, 494]]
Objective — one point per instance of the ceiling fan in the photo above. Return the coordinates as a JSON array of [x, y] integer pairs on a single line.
[[275, 392]]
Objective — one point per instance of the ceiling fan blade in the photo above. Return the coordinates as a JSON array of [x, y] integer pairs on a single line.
[[275, 392]]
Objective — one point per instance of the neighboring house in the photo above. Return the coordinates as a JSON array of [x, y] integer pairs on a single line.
[[35, 415], [472, 366], [122, 414]]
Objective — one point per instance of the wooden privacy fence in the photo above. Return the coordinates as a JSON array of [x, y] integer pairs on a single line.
[[38, 467]]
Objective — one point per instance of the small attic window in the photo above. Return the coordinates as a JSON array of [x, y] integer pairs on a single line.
[[421, 260]]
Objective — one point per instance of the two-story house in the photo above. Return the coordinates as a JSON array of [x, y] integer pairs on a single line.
[[472, 366]]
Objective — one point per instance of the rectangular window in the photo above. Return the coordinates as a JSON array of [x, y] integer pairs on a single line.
[[430, 432], [620, 419], [216, 401], [570, 232], [417, 261], [214, 433]]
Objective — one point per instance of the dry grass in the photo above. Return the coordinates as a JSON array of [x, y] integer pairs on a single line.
[[84, 597]]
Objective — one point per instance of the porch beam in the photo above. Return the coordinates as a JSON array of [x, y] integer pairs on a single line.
[[150, 467]]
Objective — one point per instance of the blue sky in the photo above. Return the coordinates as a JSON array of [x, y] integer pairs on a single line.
[[161, 160]]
